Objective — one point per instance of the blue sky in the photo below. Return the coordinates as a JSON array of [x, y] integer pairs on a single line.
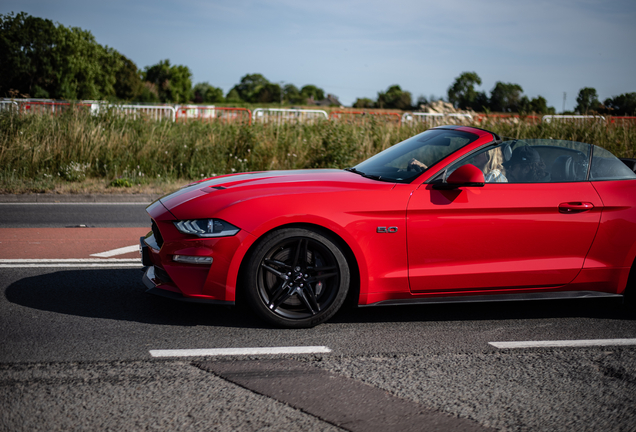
[[356, 48]]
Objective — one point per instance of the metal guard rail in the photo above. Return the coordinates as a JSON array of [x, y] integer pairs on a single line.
[[153, 111], [211, 112], [283, 114]]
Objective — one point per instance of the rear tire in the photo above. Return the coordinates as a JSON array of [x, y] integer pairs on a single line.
[[296, 278]]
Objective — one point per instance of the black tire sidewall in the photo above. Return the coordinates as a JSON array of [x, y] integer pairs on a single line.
[[250, 282]]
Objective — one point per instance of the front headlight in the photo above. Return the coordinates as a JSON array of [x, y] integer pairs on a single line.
[[206, 228]]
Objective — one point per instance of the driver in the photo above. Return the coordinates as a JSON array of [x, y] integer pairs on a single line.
[[525, 166], [415, 165]]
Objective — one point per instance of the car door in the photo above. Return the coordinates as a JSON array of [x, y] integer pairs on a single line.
[[500, 236]]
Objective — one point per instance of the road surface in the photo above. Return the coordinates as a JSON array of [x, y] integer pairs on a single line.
[[84, 348]]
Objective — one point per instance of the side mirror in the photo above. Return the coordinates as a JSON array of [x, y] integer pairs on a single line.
[[465, 175]]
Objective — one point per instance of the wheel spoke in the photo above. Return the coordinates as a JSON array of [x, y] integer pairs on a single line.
[[276, 294], [273, 270], [284, 295], [322, 276], [277, 263], [309, 299]]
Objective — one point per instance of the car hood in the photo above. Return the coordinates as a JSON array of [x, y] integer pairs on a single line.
[[229, 189]]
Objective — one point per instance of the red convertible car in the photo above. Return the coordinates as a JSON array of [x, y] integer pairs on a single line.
[[450, 215]]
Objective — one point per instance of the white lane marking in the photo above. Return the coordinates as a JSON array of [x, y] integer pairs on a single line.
[[239, 351], [564, 343], [118, 251], [70, 262]]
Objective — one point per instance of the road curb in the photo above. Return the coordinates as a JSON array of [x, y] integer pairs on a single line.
[[78, 198]]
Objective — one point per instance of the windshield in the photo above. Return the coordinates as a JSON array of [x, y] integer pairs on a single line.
[[406, 160]]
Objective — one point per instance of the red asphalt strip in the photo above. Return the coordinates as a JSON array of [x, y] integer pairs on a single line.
[[65, 243]]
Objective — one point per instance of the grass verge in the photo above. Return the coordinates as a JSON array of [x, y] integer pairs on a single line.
[[76, 152]]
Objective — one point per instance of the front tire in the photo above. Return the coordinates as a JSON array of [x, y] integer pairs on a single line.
[[296, 278]]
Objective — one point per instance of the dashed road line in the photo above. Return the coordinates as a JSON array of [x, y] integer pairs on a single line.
[[240, 351], [563, 343], [118, 251]]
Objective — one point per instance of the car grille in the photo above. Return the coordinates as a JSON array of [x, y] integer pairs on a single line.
[[157, 234]]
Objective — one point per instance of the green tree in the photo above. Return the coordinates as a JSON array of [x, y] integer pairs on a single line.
[[587, 101], [88, 70], [311, 91], [462, 93], [622, 105], [505, 97], [363, 103], [395, 98], [421, 100], [482, 102], [173, 83], [233, 96], [205, 93], [149, 93], [538, 105], [128, 83], [292, 95], [27, 63], [250, 86], [41, 59], [269, 93]]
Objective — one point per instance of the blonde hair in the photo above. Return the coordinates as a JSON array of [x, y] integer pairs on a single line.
[[495, 161]]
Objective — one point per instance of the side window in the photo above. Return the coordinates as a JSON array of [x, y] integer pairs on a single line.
[[565, 161], [531, 161], [490, 160], [606, 166], [547, 161]]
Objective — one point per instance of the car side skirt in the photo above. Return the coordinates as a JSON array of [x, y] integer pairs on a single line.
[[495, 298]]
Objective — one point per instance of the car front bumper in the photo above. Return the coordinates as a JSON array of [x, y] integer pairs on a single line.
[[198, 282]]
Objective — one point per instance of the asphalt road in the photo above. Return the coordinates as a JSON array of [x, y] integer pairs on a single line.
[[75, 349], [61, 215]]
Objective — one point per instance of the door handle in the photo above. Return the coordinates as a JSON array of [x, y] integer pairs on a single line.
[[575, 207]]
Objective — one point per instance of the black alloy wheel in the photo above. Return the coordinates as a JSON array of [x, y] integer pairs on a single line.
[[297, 278]]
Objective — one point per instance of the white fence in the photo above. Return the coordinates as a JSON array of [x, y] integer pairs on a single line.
[[280, 115], [152, 112], [7, 105], [206, 112], [435, 119], [264, 115], [571, 118]]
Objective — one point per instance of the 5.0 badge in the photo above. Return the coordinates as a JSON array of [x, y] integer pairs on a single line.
[[382, 230]]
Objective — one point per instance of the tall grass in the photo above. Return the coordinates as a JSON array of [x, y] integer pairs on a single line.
[[76, 145]]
